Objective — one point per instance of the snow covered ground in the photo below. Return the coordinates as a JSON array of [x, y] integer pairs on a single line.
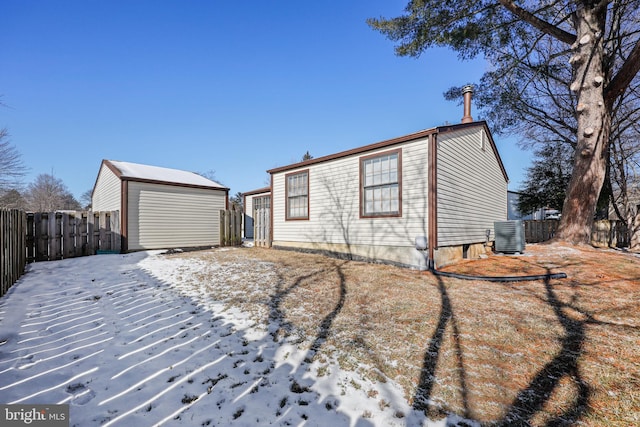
[[132, 340]]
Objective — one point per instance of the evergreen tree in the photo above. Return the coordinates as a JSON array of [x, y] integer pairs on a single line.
[[547, 179]]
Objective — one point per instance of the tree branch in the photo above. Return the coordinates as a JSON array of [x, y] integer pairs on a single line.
[[625, 75], [540, 24]]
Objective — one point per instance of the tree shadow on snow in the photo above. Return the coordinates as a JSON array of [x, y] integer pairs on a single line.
[[154, 353], [281, 329]]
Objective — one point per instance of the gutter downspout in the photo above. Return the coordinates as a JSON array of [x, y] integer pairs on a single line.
[[271, 205], [432, 238], [432, 241], [124, 212]]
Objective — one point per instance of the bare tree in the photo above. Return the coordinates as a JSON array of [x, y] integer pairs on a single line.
[[210, 174], [12, 168], [236, 201], [12, 199], [85, 199], [48, 193]]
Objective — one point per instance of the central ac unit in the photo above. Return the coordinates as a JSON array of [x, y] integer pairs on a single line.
[[509, 236]]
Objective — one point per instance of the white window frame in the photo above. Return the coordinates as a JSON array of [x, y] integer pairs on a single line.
[[381, 185], [297, 195]]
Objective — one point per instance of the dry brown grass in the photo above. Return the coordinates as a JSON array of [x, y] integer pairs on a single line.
[[546, 353]]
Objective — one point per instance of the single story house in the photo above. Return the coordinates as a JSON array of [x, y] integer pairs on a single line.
[[160, 208], [252, 201], [420, 200]]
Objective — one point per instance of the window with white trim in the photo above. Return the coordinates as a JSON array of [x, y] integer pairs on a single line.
[[297, 195], [380, 181]]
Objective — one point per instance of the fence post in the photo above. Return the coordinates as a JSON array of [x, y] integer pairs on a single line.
[[222, 229], [96, 231], [238, 228], [55, 234], [262, 228], [42, 236], [230, 227], [21, 242], [78, 246], [30, 240], [115, 231], [257, 228], [103, 232], [13, 254], [80, 228], [67, 237], [4, 267], [91, 233], [230, 237]]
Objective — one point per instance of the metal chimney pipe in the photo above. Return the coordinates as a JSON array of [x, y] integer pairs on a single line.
[[467, 91]]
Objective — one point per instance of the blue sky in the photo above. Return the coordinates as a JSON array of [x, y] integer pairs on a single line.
[[235, 87]]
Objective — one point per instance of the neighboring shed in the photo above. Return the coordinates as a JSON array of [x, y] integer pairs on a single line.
[[252, 201], [160, 208], [443, 187]]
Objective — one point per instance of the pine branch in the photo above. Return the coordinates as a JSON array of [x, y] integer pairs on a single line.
[[538, 23]]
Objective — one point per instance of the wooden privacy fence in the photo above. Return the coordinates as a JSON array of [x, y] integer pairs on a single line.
[[230, 227], [539, 230], [607, 233], [262, 228], [58, 235], [13, 255]]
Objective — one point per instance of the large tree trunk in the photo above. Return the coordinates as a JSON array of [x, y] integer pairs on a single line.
[[594, 126]]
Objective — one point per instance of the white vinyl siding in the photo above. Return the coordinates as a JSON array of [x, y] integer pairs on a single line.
[[472, 191], [107, 191], [334, 197], [164, 216]]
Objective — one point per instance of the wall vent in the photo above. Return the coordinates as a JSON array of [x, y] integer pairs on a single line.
[[509, 236]]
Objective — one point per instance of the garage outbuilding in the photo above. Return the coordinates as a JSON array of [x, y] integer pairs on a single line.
[[160, 208]]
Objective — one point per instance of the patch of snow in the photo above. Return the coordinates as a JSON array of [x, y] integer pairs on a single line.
[[156, 173], [134, 340]]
